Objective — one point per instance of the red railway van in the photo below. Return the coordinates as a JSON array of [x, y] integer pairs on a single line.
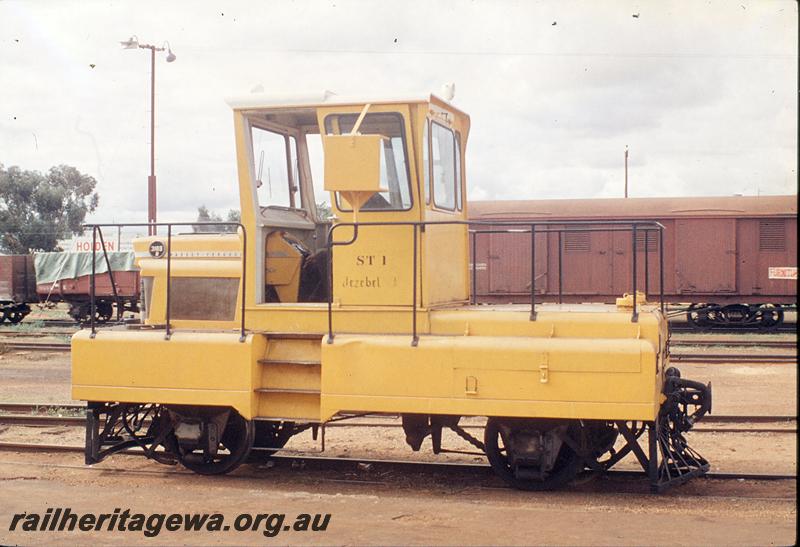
[[718, 254], [17, 287]]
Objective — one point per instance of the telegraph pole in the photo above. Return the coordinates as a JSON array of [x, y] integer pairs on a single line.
[[626, 170]]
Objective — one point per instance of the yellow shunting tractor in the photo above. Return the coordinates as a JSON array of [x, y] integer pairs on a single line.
[[305, 313]]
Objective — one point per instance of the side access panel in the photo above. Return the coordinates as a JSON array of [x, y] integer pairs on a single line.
[[611, 379]]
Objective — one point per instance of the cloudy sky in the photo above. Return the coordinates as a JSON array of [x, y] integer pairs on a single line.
[[703, 93]]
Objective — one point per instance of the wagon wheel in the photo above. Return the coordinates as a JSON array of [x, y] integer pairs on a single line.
[[103, 312], [697, 316], [234, 447], [269, 435], [14, 316], [499, 438], [2, 315], [769, 316]]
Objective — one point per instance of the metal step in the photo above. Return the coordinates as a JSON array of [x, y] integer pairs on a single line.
[[288, 362], [288, 390]]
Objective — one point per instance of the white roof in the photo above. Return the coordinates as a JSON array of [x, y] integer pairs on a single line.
[[270, 100]]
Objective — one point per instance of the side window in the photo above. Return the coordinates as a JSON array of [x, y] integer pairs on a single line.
[[459, 182], [275, 157], [316, 159], [443, 152], [426, 167]]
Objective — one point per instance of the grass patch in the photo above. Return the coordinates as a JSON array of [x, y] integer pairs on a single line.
[[26, 326]]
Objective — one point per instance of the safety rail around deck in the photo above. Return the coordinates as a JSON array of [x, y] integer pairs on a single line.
[[97, 229], [492, 227], [483, 227]]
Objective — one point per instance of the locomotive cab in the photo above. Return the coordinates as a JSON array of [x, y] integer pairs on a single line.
[[419, 178]]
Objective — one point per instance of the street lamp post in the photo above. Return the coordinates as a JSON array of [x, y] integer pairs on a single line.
[[133, 43]]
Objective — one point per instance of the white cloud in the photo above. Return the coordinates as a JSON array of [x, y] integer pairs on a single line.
[[703, 93]]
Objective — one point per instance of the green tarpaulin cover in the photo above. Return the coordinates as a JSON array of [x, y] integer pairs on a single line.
[[51, 267]]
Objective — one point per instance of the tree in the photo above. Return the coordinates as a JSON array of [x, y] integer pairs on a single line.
[[324, 211], [37, 210], [204, 215]]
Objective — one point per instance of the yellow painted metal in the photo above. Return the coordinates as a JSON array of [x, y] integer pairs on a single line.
[[626, 300], [290, 378], [610, 372], [377, 268], [589, 362], [353, 163], [444, 249], [192, 368], [283, 267], [195, 256], [221, 246]]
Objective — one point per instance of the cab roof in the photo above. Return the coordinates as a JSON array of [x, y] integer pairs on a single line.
[[268, 101]]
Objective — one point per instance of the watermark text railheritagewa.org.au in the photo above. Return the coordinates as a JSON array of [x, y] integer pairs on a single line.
[[63, 519]]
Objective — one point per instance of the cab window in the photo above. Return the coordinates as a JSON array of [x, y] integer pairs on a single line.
[[459, 190], [275, 157], [426, 165], [394, 164], [443, 159]]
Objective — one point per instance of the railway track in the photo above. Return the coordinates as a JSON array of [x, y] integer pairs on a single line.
[[54, 415], [34, 333], [34, 346], [727, 342], [716, 358], [381, 467], [783, 328], [60, 323]]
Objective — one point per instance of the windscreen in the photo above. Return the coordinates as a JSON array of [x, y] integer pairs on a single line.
[[394, 165]]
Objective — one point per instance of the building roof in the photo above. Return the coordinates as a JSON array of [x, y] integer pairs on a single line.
[[650, 208]]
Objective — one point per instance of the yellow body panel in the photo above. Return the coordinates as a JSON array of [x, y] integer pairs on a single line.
[[500, 376], [590, 362], [469, 361], [197, 368]]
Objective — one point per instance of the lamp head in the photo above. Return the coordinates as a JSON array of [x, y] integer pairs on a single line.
[[170, 56], [131, 43]]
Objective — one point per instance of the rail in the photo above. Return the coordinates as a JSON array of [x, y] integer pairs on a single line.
[[545, 227], [97, 229]]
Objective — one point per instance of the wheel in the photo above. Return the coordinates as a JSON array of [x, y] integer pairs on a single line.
[[103, 312], [529, 454], [271, 436], [697, 316], [82, 313], [14, 316], [79, 312], [715, 316], [769, 316], [234, 447]]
